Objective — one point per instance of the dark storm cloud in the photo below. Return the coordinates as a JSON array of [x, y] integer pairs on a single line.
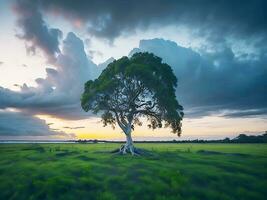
[[35, 31], [214, 83], [209, 83], [109, 19], [21, 124], [246, 113]]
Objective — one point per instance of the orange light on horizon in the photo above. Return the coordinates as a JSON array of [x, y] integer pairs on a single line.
[[207, 127]]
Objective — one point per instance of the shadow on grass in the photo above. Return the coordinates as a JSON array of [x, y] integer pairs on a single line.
[[205, 152]]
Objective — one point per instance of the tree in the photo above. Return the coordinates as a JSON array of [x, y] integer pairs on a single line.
[[133, 88]]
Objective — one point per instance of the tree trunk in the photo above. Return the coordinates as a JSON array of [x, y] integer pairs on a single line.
[[128, 147]]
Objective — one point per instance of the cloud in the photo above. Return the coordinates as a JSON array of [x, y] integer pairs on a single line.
[[58, 94], [246, 113], [35, 31], [110, 19], [209, 83], [24, 125], [93, 53], [77, 127]]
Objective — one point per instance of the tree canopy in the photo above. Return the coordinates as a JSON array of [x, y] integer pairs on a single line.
[[132, 88]]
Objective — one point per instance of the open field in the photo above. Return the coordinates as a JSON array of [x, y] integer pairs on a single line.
[[175, 171]]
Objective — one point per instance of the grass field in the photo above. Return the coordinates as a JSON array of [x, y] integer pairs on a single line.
[[175, 171]]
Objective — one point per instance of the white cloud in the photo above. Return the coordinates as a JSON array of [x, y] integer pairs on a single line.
[[58, 94]]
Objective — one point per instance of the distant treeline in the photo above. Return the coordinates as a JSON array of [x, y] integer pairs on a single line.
[[242, 138]]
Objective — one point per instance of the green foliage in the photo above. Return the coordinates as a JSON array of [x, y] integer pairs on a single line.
[[76, 171], [130, 88]]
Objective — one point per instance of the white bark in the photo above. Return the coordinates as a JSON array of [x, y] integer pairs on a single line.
[[128, 147]]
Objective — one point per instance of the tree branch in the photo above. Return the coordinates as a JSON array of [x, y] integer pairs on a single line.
[[118, 120]]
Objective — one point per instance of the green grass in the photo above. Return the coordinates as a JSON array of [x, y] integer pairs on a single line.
[[175, 171]]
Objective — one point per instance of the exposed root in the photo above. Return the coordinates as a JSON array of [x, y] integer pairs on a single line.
[[126, 149]]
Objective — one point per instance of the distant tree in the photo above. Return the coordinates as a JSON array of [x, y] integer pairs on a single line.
[[226, 140], [243, 138], [133, 88]]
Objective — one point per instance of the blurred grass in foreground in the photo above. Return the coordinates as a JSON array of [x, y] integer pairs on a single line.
[[173, 172]]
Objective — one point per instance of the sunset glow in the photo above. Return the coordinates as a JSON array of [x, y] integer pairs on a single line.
[[43, 68]]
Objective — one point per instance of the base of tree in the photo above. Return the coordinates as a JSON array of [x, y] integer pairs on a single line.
[[124, 149]]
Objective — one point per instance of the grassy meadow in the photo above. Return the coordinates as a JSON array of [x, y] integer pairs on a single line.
[[173, 172]]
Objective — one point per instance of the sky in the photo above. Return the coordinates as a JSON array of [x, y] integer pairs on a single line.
[[49, 49]]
